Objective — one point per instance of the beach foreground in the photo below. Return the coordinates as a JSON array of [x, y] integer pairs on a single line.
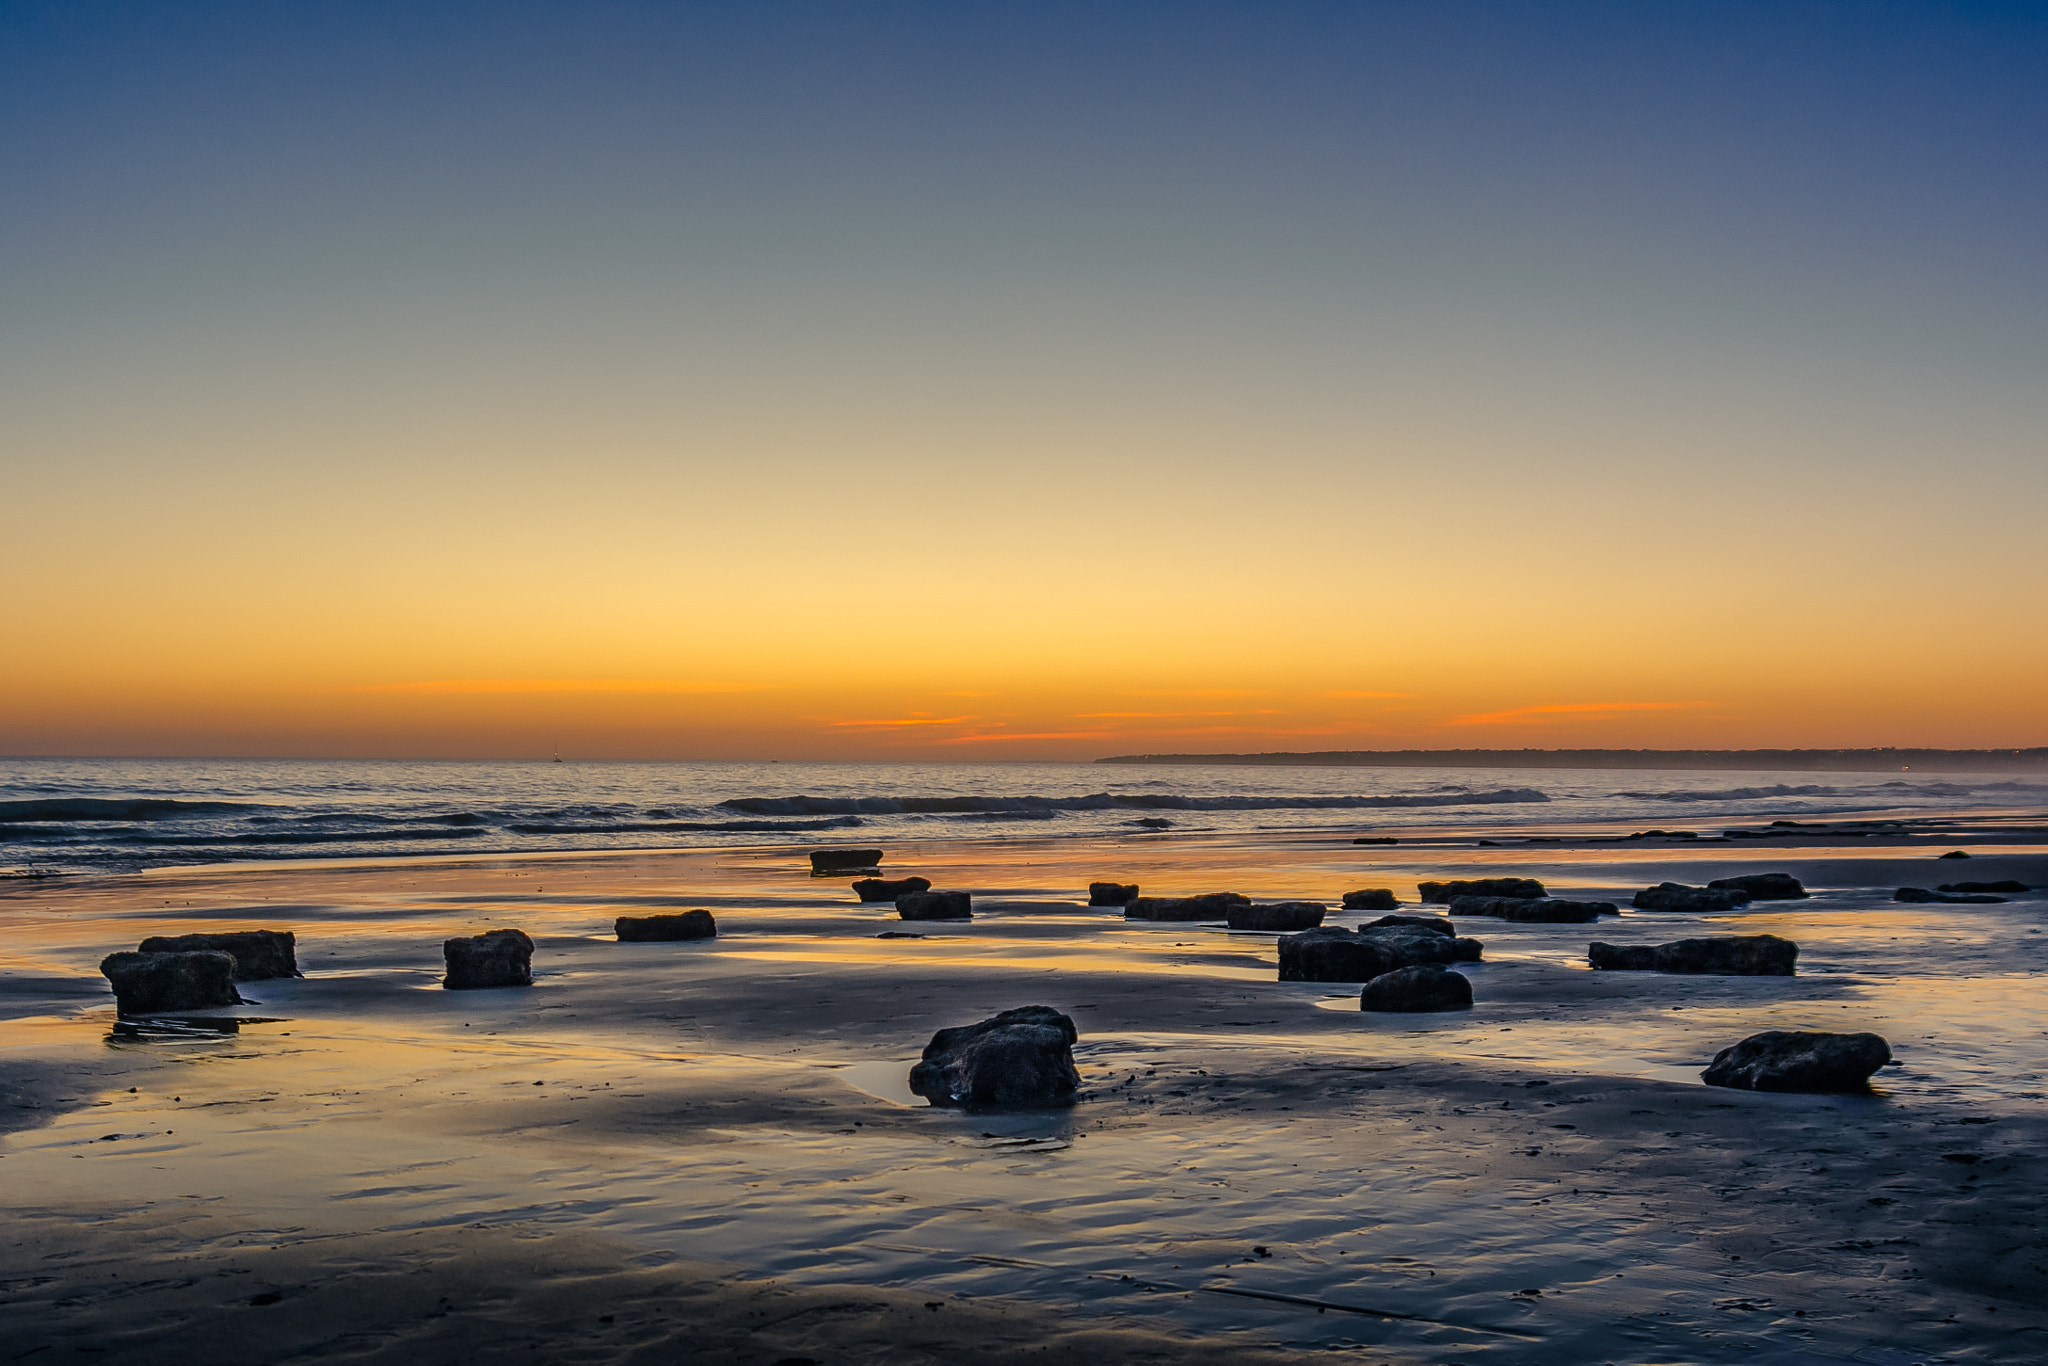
[[708, 1149]]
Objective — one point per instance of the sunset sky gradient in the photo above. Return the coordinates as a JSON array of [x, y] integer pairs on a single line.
[[1020, 381]]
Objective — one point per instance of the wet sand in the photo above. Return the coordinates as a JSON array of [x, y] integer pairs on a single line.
[[710, 1144]]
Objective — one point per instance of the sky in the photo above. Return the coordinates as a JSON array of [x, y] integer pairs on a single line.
[[1020, 381]]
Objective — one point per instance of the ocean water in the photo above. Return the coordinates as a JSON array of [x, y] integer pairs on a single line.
[[115, 815]]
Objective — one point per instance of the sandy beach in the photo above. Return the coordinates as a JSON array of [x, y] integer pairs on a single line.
[[710, 1148]]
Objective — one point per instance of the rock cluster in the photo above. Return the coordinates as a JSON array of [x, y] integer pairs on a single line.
[[1208, 906], [1676, 896], [1112, 893], [1441, 893], [1281, 916], [1731, 955], [495, 958], [650, 929], [1793, 1060], [1547, 910], [1335, 954], [152, 983], [881, 889], [935, 906], [258, 954], [1371, 899], [1021, 1059]]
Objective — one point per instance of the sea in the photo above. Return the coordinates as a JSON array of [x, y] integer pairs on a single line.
[[101, 815]]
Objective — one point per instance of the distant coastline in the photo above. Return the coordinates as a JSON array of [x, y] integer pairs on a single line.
[[1804, 760]]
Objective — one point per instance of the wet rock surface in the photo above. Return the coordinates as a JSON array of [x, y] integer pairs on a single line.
[[2006, 886], [1335, 954], [888, 889], [1922, 894], [1207, 906], [1730, 955], [935, 906], [495, 958], [258, 954], [1538, 911], [1762, 886], [1423, 988], [1441, 893], [153, 983], [1112, 893], [1676, 896], [1283, 916], [1371, 899], [650, 929], [1436, 923], [1021, 1059], [844, 860], [1798, 1060]]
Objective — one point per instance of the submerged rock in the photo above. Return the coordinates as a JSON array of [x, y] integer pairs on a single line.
[[650, 929], [1763, 886], [1371, 899], [1441, 892], [1727, 955], [1112, 893], [1796, 1060], [935, 906], [1208, 906], [1022, 1059], [1434, 923], [1948, 898], [1676, 896], [1425, 987], [844, 860], [495, 958], [258, 954], [1965, 888], [1283, 916], [152, 983], [880, 889], [1547, 910]]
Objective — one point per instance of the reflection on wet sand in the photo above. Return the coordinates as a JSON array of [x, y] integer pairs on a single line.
[[1539, 1179]]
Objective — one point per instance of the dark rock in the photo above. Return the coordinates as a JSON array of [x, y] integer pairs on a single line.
[[1283, 916], [1022, 1059], [1434, 923], [1949, 898], [1208, 906], [1663, 835], [2008, 885], [1334, 954], [1154, 822], [1424, 987], [1763, 886], [1676, 896], [1371, 899], [648, 929], [880, 889], [258, 954], [495, 958], [1375, 839], [1622, 957], [1112, 893], [151, 983], [898, 934], [1541, 911], [1955, 853], [1793, 1060], [825, 861], [1465, 950], [1441, 892], [935, 906], [1727, 955]]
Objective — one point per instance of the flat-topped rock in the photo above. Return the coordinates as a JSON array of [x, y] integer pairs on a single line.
[[1676, 896], [1112, 893], [1546, 910], [1335, 954], [258, 954], [2007, 885], [495, 958], [935, 906], [1436, 924], [1727, 955], [1371, 899], [1207, 906], [1022, 1059], [1422, 988], [655, 929], [1763, 886], [155, 983], [885, 889], [1440, 893], [1285, 917], [1797, 1060], [825, 861]]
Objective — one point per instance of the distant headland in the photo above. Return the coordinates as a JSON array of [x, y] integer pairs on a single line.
[[1836, 760]]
